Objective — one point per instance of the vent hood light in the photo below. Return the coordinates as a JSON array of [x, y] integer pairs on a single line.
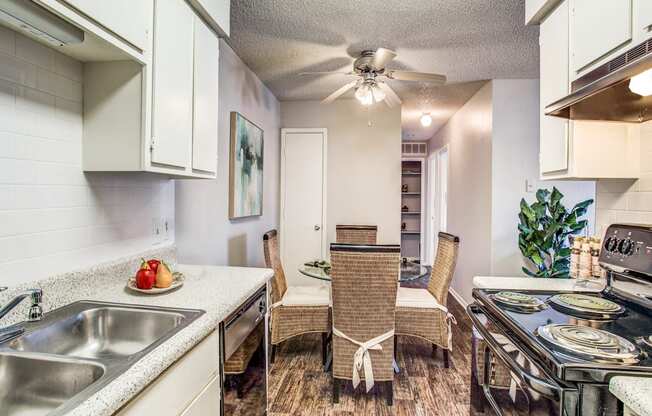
[[641, 84], [619, 90], [37, 22]]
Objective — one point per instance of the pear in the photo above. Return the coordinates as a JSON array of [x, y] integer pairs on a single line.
[[163, 276]]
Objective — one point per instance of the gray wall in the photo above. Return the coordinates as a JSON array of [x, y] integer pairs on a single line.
[[468, 135], [515, 154], [205, 235], [493, 149], [364, 162]]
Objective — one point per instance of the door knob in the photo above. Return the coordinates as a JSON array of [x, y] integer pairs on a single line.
[[317, 228]]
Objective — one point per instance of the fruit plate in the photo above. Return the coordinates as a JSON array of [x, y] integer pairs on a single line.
[[177, 281]]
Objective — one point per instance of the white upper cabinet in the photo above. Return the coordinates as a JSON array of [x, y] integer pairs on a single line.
[[577, 149], [128, 19], [216, 12], [205, 109], [599, 28], [553, 41], [172, 83], [642, 20]]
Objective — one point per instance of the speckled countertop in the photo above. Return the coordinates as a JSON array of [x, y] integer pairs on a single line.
[[217, 290], [634, 392]]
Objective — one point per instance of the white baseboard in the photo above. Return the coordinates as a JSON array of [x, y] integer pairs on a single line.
[[463, 303]]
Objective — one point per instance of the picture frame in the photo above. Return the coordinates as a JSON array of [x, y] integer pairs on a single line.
[[246, 167]]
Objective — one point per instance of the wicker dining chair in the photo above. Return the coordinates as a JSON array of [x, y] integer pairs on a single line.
[[422, 313], [295, 310], [364, 286], [356, 234]]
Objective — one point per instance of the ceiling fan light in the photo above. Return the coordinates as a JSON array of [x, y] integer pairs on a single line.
[[379, 95], [426, 119], [364, 95]]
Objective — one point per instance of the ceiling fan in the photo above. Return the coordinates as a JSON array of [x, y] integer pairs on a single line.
[[371, 71]]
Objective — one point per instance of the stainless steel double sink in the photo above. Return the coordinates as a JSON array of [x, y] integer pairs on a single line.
[[76, 350]]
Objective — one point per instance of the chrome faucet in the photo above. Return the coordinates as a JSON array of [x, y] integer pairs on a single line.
[[35, 312]]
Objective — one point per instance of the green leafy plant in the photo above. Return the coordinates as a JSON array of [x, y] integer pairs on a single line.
[[544, 228]]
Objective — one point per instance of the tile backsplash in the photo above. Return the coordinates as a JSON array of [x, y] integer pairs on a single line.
[[53, 216], [628, 201]]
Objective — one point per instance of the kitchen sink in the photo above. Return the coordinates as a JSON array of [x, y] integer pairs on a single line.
[[36, 386], [107, 331], [75, 350]]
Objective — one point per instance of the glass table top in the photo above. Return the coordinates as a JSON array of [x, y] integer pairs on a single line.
[[409, 271]]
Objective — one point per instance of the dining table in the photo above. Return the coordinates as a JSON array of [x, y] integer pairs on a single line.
[[409, 271]]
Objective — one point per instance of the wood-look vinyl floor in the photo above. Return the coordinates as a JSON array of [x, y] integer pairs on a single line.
[[299, 386]]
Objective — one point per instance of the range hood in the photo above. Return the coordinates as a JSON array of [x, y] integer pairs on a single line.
[[604, 93], [36, 22]]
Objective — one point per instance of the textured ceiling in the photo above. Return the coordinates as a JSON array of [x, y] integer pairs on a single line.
[[467, 40]]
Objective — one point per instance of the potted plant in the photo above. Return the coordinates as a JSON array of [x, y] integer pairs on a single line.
[[544, 228]]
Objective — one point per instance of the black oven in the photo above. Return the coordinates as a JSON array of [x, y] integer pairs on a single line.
[[506, 380]]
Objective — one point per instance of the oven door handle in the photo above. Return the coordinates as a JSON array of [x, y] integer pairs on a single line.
[[541, 386]]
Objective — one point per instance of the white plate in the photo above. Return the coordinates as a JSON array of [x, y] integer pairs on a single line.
[[177, 281]]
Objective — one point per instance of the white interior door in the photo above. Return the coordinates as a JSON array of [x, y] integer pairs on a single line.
[[303, 201], [437, 200], [431, 241]]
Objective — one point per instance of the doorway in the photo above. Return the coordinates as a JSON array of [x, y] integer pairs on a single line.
[[437, 199], [303, 200]]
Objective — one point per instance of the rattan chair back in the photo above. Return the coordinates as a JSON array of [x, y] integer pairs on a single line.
[[364, 286], [356, 234], [444, 267], [273, 261]]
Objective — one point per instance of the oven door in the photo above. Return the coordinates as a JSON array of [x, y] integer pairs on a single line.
[[507, 380]]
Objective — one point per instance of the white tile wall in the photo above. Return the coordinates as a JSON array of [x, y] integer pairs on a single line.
[[54, 217], [628, 200]]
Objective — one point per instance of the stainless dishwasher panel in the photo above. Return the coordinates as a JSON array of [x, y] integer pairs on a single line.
[[242, 322]]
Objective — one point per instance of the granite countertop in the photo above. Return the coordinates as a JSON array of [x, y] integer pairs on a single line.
[[533, 283], [634, 392], [218, 290]]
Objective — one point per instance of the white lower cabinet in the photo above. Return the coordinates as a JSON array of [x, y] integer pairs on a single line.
[[189, 387], [208, 401]]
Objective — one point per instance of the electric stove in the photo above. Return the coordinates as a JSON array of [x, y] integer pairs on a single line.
[[557, 351]]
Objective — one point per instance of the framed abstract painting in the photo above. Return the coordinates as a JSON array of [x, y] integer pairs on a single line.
[[245, 168]]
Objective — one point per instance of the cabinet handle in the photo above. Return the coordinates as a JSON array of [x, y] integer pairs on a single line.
[[317, 228]]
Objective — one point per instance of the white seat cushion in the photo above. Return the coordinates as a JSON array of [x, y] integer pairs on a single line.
[[307, 296], [416, 298]]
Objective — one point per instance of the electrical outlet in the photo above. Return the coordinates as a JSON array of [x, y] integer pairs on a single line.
[[529, 186]]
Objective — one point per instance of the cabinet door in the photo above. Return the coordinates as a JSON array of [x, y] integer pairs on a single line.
[[598, 27], [172, 83], [128, 19], [553, 41], [208, 401], [217, 12], [207, 68], [643, 19]]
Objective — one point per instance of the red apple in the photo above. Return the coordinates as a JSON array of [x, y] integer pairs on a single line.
[[153, 264], [145, 278]]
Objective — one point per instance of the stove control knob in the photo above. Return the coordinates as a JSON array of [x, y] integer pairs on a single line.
[[626, 247], [611, 245]]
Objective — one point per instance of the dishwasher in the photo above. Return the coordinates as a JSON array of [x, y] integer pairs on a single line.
[[243, 365]]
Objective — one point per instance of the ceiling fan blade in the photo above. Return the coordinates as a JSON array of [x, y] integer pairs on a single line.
[[417, 76], [339, 92], [382, 57], [327, 73], [391, 98]]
